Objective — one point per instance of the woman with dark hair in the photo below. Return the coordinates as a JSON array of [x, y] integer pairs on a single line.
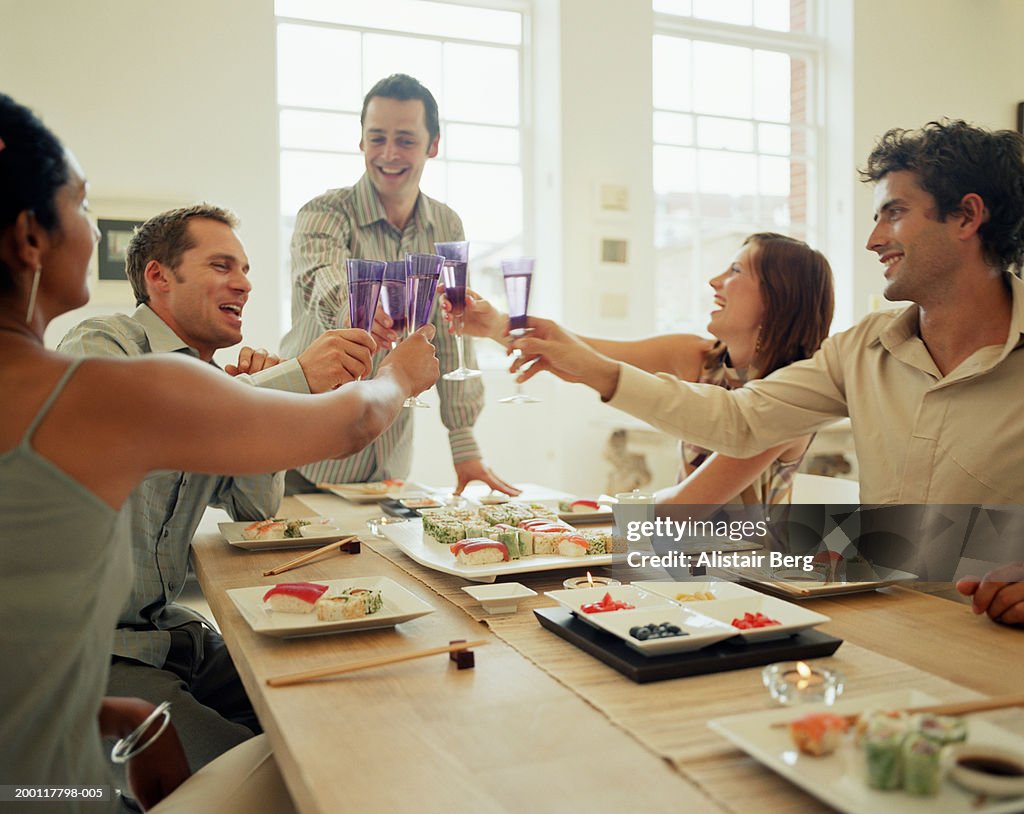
[[773, 307], [76, 436]]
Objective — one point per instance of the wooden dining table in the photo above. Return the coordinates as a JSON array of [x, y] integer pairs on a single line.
[[537, 724]]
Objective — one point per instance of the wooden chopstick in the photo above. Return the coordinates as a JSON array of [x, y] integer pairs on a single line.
[[324, 672], [957, 708], [309, 555]]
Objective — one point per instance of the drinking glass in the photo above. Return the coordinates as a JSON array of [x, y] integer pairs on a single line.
[[454, 274], [392, 297], [421, 273], [518, 274], [364, 279]]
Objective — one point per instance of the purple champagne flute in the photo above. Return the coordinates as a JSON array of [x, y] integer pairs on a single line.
[[454, 274], [421, 273], [364, 279], [392, 297], [518, 275]]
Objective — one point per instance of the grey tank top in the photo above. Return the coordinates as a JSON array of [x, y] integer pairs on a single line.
[[65, 573]]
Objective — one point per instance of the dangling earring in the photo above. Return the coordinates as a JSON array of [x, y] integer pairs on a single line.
[[32, 295], [757, 344]]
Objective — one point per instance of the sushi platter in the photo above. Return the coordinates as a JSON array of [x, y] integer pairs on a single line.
[[409, 537], [840, 779], [611, 647], [399, 605], [658, 623]]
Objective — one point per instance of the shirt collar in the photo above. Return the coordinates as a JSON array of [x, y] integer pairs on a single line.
[[161, 338], [370, 210]]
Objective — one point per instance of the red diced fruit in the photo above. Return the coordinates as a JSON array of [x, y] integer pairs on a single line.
[[750, 621]]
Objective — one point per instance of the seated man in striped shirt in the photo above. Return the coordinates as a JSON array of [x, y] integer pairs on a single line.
[[188, 271], [383, 217]]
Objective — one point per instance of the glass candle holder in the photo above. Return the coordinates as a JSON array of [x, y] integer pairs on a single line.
[[589, 582], [796, 682]]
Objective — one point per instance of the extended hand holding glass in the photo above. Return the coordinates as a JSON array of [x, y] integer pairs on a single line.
[[364, 280], [422, 271], [455, 276], [392, 298], [518, 274]]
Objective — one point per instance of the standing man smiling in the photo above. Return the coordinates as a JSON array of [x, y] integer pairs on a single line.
[[383, 216]]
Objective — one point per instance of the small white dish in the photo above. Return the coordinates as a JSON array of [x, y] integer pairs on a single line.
[[698, 630], [1005, 777], [685, 592], [494, 499], [499, 597], [574, 600], [791, 618]]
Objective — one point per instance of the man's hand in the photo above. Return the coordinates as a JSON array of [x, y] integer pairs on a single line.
[[336, 357], [414, 362], [252, 361], [1000, 593], [161, 767], [476, 470], [382, 333], [479, 318], [550, 347]]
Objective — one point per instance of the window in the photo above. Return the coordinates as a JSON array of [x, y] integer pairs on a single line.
[[330, 54], [736, 138]]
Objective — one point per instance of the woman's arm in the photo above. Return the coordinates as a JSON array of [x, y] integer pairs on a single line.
[[161, 767], [721, 478], [119, 419], [682, 355]]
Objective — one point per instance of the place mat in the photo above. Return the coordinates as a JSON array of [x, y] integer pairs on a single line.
[[670, 717]]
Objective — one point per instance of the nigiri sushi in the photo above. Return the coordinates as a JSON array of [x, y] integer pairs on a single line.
[[294, 597]]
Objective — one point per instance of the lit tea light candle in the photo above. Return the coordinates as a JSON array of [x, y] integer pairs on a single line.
[[590, 582], [797, 682]]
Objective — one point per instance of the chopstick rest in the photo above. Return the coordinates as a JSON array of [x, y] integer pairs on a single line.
[[325, 672], [350, 544]]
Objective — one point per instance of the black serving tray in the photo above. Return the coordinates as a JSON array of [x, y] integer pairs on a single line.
[[731, 654]]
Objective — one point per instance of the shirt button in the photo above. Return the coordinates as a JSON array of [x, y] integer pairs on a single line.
[[170, 586], [167, 533]]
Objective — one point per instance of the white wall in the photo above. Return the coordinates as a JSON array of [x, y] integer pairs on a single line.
[[161, 102], [920, 60], [175, 102]]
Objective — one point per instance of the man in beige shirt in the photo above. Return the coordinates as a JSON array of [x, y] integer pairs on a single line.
[[932, 390]]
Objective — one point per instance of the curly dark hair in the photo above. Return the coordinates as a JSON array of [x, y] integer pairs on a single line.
[[952, 159], [33, 167]]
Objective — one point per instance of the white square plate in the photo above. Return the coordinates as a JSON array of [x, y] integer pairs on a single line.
[[232, 532], [674, 590], [573, 598], [792, 618], [374, 491], [794, 584], [700, 630], [399, 606], [838, 779]]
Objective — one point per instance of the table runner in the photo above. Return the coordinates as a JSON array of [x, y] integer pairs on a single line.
[[670, 717]]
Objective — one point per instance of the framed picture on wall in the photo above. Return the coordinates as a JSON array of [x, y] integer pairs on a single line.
[[113, 247], [117, 221]]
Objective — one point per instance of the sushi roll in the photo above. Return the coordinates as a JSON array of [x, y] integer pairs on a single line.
[[572, 545], [351, 604], [883, 751], [942, 729], [479, 551], [819, 733], [922, 770], [294, 597], [272, 529], [598, 542]]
